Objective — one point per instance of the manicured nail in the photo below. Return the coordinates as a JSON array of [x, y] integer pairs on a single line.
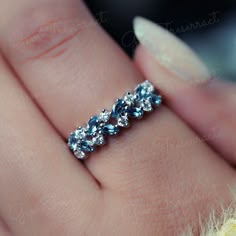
[[170, 51]]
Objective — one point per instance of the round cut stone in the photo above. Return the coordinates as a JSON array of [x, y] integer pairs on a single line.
[[144, 90], [93, 125], [80, 154], [98, 140], [104, 116], [148, 86], [87, 146], [80, 132], [135, 112], [129, 98], [110, 129], [123, 121], [119, 108], [146, 104]]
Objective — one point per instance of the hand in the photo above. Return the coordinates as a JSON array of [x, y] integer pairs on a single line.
[[58, 68]]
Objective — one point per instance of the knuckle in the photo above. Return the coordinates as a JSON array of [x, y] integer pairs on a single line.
[[44, 31]]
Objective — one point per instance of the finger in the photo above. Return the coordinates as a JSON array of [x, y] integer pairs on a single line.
[[70, 87], [161, 171], [64, 58], [68, 90], [207, 107], [40, 181]]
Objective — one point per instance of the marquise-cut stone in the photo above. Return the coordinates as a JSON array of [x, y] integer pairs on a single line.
[[123, 121], [92, 125], [156, 99], [110, 129], [142, 93], [135, 112], [119, 108], [80, 154], [87, 146], [73, 141]]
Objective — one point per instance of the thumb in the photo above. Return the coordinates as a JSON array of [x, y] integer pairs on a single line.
[[206, 104]]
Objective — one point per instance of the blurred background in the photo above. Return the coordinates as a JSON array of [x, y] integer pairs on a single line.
[[209, 27]]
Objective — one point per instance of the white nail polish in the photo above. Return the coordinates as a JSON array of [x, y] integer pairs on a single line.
[[170, 51]]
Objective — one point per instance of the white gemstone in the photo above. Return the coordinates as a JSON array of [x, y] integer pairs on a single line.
[[98, 139], [104, 116], [123, 121], [80, 132], [149, 86], [146, 105], [129, 98], [80, 154]]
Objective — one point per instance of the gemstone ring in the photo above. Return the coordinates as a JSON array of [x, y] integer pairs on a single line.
[[132, 105]]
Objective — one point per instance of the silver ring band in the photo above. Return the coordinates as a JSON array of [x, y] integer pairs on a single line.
[[133, 105]]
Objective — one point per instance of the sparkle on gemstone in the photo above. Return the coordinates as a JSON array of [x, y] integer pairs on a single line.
[[80, 154], [129, 98], [104, 116], [110, 129], [123, 121], [98, 139], [119, 108]]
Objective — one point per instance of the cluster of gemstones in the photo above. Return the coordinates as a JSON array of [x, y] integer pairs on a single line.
[[85, 140]]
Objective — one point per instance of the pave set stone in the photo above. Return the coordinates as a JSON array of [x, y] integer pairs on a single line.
[[85, 140]]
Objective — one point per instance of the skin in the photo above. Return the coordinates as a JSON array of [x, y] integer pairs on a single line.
[[152, 180]]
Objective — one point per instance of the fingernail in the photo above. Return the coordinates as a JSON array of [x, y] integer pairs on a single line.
[[170, 51]]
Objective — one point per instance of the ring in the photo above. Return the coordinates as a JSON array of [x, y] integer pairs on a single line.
[[133, 105]]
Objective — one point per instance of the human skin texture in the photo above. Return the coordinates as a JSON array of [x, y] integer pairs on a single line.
[[57, 69]]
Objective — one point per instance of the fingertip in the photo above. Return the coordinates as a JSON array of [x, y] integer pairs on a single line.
[[170, 51], [207, 107]]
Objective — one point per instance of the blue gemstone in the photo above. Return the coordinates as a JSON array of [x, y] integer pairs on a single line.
[[135, 112], [87, 146], [142, 92], [110, 129], [156, 99], [72, 141], [93, 125], [119, 108]]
